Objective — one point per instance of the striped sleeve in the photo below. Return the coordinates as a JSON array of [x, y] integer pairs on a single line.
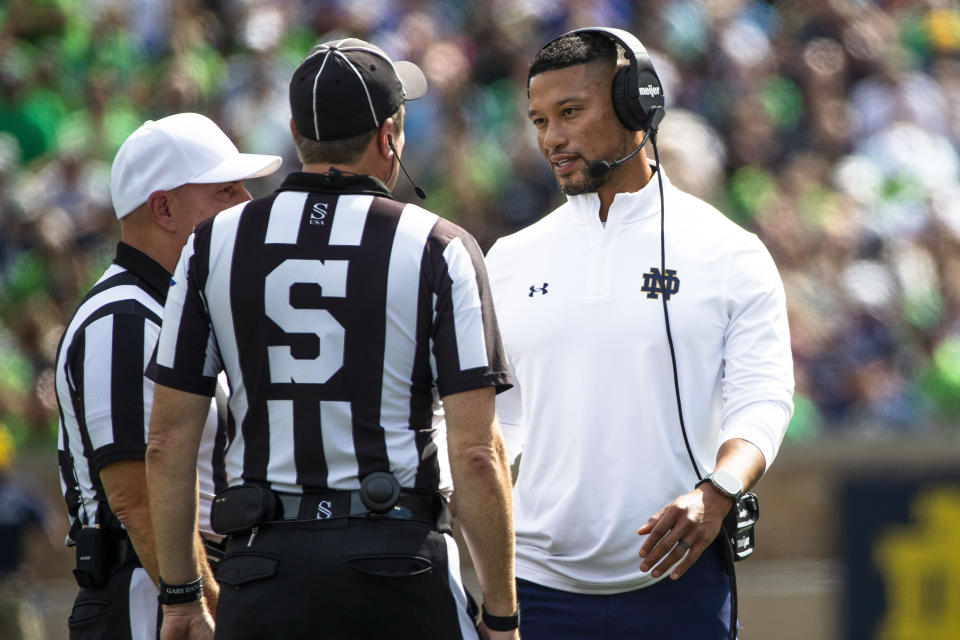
[[106, 362], [187, 357], [466, 343]]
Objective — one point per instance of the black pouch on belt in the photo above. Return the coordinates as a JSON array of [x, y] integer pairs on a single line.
[[93, 563], [240, 508]]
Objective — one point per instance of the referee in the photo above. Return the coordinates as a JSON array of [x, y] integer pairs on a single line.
[[167, 176], [361, 349]]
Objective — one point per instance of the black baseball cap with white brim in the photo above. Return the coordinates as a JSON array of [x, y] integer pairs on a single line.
[[346, 87]]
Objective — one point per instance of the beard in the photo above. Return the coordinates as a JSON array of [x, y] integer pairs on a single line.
[[583, 182]]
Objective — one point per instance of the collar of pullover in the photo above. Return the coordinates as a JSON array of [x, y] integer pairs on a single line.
[[626, 207]]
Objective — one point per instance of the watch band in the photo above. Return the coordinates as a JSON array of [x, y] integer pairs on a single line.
[[716, 485], [180, 593], [500, 623]]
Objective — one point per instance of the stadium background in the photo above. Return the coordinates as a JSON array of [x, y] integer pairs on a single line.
[[831, 128]]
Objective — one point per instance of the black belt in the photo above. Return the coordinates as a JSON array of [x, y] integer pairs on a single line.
[[411, 505]]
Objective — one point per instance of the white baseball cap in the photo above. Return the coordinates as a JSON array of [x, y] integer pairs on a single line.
[[185, 148]]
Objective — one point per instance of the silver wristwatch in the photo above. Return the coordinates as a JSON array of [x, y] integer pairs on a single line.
[[724, 482]]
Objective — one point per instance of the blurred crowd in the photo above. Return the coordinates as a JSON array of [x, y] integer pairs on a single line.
[[831, 128]]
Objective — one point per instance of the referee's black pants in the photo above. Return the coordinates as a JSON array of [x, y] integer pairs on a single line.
[[125, 608], [351, 578]]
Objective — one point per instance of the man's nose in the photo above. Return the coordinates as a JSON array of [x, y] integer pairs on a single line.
[[554, 137]]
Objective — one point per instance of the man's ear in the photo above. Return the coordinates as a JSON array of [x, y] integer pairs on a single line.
[[158, 204], [387, 139]]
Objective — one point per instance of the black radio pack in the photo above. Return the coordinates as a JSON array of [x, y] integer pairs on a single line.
[[93, 565], [738, 525]]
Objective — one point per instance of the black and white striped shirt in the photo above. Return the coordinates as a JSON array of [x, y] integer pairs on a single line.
[[104, 398], [340, 317]]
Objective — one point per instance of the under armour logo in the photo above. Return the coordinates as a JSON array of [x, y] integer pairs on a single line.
[[324, 510], [655, 283], [534, 288]]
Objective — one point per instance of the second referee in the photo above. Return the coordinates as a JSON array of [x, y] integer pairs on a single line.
[[361, 348]]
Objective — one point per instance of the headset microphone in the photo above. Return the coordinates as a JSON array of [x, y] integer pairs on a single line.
[[600, 168], [416, 188]]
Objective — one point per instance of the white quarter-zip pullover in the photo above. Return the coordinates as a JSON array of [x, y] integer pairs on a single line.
[[581, 316]]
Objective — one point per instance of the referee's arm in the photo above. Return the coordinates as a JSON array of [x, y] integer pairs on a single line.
[[482, 481], [176, 426], [125, 483]]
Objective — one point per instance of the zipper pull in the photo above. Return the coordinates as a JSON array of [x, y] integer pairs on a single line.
[[253, 534]]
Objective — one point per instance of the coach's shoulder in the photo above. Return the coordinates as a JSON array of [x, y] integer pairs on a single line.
[[532, 236], [710, 222]]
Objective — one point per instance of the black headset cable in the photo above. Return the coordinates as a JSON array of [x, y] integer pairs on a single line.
[[728, 543]]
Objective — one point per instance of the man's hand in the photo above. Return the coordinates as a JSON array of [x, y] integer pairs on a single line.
[[191, 621], [685, 526], [695, 518]]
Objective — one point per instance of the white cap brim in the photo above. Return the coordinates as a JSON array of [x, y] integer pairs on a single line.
[[242, 166]]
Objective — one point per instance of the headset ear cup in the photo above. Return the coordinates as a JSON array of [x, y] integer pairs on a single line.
[[621, 103], [645, 109]]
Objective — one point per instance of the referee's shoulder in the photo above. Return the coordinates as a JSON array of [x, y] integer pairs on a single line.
[[118, 291], [442, 230], [228, 215], [410, 209]]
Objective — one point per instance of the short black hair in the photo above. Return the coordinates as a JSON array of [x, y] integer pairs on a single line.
[[575, 49], [345, 151]]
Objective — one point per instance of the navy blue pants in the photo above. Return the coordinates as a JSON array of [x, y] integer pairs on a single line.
[[697, 606]]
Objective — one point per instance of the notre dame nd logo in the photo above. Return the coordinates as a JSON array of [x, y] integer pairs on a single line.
[[655, 283], [920, 563]]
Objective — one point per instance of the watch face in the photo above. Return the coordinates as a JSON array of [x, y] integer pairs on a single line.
[[726, 482]]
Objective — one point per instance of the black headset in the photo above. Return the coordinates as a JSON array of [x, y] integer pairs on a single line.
[[637, 93]]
